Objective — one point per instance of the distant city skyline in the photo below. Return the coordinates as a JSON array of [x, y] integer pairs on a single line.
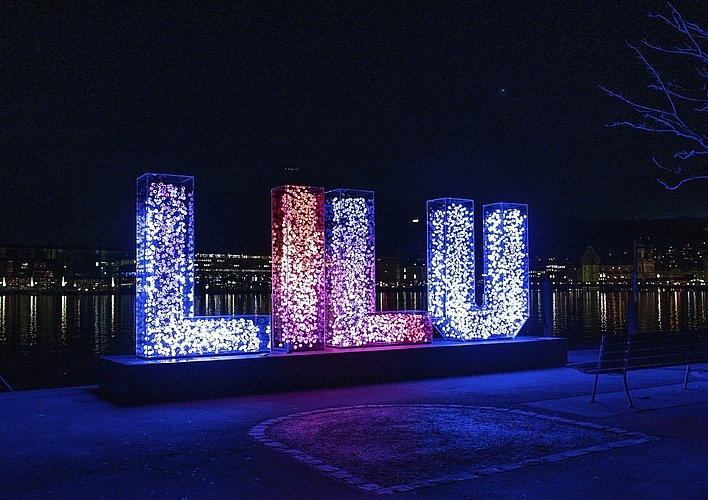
[[62, 270], [564, 241]]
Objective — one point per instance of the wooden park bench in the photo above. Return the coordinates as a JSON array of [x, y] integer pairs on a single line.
[[620, 353]]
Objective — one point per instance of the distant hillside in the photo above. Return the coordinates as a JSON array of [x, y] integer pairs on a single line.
[[612, 238]]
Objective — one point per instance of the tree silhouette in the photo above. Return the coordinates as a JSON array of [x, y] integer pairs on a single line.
[[678, 101]]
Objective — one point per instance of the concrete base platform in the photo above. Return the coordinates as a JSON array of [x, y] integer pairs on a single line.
[[127, 380]]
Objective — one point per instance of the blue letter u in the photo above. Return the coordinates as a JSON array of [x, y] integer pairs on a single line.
[[451, 269]]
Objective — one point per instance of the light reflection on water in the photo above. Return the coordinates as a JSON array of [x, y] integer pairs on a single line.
[[54, 341], [232, 304], [583, 315]]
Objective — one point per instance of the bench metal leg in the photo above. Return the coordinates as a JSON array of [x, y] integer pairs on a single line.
[[594, 388], [685, 379], [626, 390]]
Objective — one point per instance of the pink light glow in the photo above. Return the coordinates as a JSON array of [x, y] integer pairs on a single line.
[[351, 281], [395, 327], [298, 298]]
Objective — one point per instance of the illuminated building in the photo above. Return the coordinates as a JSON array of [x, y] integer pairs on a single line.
[[298, 275], [350, 260], [616, 274], [60, 270], [219, 272], [388, 271], [646, 266], [451, 269], [413, 274], [590, 263], [164, 294], [553, 272]]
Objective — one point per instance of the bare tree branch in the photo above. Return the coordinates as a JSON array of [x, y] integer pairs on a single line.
[[685, 111]]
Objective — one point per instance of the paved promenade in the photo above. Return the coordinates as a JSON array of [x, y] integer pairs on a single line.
[[514, 435]]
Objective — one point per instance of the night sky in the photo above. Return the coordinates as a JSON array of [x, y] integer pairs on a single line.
[[492, 100]]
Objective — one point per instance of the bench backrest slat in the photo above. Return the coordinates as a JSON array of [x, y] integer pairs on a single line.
[[634, 351]]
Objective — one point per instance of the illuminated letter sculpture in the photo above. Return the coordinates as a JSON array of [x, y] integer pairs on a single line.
[[451, 279], [352, 319], [298, 299], [164, 302], [451, 269]]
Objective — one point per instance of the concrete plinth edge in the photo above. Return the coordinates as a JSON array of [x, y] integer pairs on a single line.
[[127, 380]]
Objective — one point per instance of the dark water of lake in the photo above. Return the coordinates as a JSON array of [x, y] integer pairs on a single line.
[[55, 341]]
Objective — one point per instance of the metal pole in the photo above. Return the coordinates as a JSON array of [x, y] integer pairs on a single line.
[[635, 281], [547, 307], [632, 308]]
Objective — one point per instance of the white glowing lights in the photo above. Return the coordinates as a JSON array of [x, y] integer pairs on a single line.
[[451, 281], [351, 279], [451, 269], [506, 268], [350, 263], [298, 298], [323, 275], [165, 322]]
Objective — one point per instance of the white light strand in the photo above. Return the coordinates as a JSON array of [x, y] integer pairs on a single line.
[[298, 304], [451, 281], [351, 279], [165, 322]]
